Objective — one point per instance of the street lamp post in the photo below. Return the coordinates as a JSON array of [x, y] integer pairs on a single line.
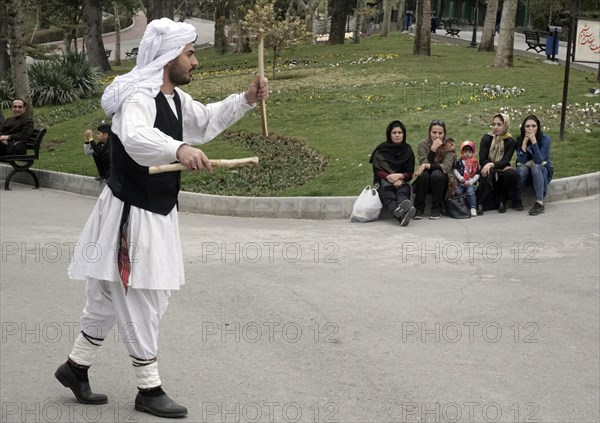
[[474, 38]]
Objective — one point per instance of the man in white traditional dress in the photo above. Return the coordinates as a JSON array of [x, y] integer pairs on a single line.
[[129, 252]]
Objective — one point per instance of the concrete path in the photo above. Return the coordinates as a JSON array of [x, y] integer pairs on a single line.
[[466, 37], [131, 36], [492, 319]]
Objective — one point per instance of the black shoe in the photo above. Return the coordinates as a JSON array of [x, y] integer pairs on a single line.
[[402, 209], [409, 215], [81, 388], [517, 205], [537, 208], [161, 406], [435, 215], [479, 210], [502, 207], [418, 215]]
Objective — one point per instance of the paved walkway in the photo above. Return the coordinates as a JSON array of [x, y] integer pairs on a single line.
[[131, 36], [520, 46], [491, 319]]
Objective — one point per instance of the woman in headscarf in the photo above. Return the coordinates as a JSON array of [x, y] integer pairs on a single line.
[[498, 178], [437, 155], [393, 165]]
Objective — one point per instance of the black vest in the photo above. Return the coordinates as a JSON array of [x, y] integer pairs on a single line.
[[131, 182]]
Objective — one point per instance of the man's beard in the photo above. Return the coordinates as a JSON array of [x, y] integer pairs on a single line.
[[179, 77]]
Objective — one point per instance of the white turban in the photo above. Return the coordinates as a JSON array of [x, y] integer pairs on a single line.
[[163, 41]]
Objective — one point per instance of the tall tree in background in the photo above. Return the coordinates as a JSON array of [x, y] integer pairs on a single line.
[[156, 9], [359, 16], [506, 39], [401, 11], [92, 33], [4, 57], [16, 38], [387, 18], [422, 43], [339, 13], [222, 9], [489, 26]]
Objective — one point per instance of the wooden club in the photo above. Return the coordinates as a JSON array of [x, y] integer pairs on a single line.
[[261, 73], [231, 163]]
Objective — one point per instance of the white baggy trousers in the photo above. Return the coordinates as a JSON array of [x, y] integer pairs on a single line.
[[137, 314]]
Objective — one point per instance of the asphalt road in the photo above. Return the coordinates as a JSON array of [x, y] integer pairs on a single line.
[[491, 319]]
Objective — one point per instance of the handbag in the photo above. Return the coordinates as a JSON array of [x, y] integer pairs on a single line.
[[367, 206], [457, 207]]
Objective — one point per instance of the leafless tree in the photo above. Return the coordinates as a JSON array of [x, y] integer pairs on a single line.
[[489, 26], [506, 39], [92, 34], [422, 43], [387, 18], [16, 38]]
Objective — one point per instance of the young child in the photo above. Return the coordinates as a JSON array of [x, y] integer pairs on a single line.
[[467, 174]]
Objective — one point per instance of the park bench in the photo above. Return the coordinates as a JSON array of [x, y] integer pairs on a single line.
[[107, 53], [22, 162], [535, 41], [133, 52], [453, 32]]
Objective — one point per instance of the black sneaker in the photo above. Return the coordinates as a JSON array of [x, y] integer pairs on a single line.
[[435, 215], [479, 210], [537, 208], [502, 207], [418, 215], [402, 209], [517, 205], [409, 215]]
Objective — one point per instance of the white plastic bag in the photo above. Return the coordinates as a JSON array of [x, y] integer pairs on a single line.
[[367, 206]]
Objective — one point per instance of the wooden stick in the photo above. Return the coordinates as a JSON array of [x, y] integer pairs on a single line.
[[174, 167], [261, 73]]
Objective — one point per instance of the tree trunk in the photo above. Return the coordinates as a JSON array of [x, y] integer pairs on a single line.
[[422, 44], [387, 18], [92, 34], [184, 11], [4, 57], [221, 45], [117, 34], [310, 14], [357, 20], [506, 39], [489, 26], [16, 38], [401, 11], [156, 9], [339, 14]]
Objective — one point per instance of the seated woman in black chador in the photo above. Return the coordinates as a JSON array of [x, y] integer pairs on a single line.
[[393, 166]]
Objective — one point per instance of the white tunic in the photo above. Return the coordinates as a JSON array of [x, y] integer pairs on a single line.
[[155, 250]]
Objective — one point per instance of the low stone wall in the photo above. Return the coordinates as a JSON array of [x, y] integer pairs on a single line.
[[280, 207]]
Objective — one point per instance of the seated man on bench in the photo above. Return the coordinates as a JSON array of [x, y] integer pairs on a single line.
[[16, 130]]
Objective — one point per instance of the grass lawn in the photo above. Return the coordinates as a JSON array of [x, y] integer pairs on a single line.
[[338, 101]]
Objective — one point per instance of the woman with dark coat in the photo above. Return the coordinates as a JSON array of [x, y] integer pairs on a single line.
[[533, 163], [435, 174], [498, 178], [393, 165]]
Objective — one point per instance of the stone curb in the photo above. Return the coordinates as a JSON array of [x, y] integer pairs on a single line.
[[318, 208]]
